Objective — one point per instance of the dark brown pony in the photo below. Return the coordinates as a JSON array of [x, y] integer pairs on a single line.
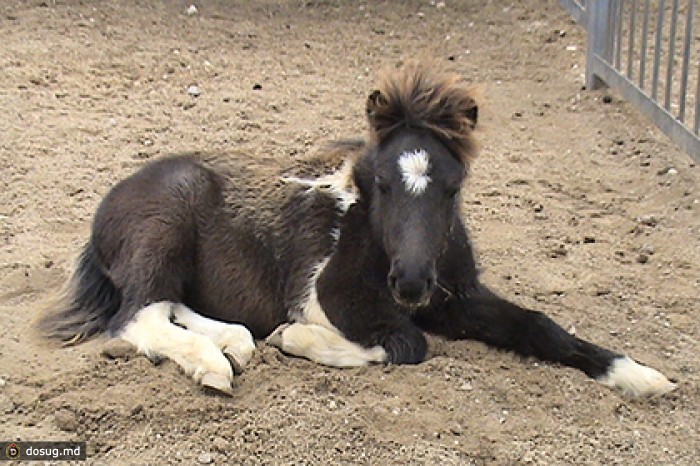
[[346, 258]]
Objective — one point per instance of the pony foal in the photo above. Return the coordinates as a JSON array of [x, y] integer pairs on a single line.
[[346, 258]]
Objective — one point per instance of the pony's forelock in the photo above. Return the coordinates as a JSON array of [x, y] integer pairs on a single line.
[[418, 96]]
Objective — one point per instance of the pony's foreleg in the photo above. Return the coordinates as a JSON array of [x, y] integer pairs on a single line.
[[504, 325], [324, 346], [234, 340], [154, 335]]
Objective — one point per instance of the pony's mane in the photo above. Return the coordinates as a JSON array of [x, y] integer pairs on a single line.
[[417, 96]]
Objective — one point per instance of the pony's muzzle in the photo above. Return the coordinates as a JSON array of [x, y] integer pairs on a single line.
[[412, 287]]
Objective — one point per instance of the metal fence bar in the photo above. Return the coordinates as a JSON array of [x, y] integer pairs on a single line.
[[671, 57], [696, 127], [657, 49], [618, 36], [598, 12], [630, 50], [609, 42], [645, 32], [686, 61]]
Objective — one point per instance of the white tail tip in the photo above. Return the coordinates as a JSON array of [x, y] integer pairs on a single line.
[[635, 379]]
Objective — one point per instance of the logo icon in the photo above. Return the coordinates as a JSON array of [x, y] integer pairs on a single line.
[[12, 451]]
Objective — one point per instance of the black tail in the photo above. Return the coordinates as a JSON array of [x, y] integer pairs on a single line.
[[87, 305]]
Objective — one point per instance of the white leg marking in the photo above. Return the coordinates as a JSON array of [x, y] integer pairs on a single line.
[[414, 166], [233, 339], [311, 310], [324, 346], [313, 336], [152, 333], [636, 379]]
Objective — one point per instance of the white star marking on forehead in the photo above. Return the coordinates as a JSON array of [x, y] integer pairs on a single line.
[[414, 166]]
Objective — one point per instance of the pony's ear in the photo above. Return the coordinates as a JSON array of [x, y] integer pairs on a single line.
[[471, 112], [374, 101]]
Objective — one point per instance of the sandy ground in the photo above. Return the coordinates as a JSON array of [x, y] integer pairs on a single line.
[[578, 207]]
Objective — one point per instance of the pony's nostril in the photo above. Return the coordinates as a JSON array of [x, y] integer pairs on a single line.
[[429, 284]]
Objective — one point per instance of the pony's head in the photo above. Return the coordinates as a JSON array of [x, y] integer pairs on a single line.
[[421, 125]]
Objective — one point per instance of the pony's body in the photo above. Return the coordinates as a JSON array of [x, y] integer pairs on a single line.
[[251, 234], [345, 258]]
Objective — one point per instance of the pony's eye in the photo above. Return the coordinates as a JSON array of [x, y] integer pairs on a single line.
[[452, 192]]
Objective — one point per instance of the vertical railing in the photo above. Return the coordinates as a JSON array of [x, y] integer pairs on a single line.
[[622, 34], [686, 61]]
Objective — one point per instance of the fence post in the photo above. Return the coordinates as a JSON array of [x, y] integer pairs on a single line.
[[600, 35]]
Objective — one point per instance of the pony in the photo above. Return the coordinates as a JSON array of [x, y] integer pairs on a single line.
[[345, 258]]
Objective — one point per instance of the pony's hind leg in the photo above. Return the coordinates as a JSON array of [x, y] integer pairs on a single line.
[[153, 334], [234, 340], [323, 346], [501, 324]]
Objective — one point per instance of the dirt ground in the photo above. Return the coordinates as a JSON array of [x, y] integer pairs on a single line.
[[578, 207]]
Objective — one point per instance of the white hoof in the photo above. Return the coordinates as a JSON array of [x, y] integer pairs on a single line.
[[204, 359], [238, 345], [322, 345], [217, 382], [234, 340], [154, 335], [275, 338], [635, 379]]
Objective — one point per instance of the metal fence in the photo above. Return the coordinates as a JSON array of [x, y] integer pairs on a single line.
[[646, 50]]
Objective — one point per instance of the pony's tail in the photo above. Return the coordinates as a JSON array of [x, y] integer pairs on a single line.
[[85, 306]]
